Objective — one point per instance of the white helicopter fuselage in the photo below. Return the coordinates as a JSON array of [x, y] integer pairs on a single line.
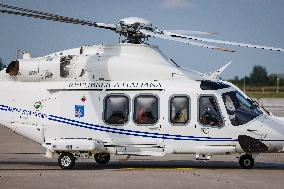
[[62, 102]]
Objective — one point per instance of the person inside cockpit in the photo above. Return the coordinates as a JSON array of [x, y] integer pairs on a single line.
[[231, 110], [209, 113], [240, 109]]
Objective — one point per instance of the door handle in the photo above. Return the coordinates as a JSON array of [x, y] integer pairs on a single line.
[[255, 131]]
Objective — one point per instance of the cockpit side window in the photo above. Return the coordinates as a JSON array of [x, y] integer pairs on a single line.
[[240, 109], [179, 110], [209, 113]]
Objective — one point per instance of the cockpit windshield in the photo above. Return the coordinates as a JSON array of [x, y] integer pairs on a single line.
[[240, 109]]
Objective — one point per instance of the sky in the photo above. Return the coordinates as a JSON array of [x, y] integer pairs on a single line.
[[254, 21]]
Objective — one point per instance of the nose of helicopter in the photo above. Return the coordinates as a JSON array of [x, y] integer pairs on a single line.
[[275, 132]]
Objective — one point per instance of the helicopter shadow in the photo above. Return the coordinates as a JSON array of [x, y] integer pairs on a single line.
[[139, 165]]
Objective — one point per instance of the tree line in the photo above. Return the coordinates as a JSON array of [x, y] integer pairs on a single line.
[[258, 78]]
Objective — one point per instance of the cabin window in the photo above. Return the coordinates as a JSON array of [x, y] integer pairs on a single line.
[[116, 109], [146, 110], [179, 110], [209, 113], [240, 109]]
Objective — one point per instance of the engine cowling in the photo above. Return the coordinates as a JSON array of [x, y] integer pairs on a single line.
[[37, 70], [40, 69]]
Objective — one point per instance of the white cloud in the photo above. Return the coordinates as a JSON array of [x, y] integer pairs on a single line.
[[177, 4]]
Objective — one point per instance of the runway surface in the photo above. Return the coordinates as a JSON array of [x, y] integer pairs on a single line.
[[22, 166]]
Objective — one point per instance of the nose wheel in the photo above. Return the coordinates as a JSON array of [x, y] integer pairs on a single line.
[[246, 161], [66, 160]]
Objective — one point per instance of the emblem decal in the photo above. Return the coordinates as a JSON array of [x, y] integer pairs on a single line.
[[38, 105], [79, 111]]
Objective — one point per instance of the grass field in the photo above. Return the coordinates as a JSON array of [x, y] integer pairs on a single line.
[[264, 92]]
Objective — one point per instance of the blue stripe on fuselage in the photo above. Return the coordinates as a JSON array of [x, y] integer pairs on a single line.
[[132, 132], [120, 131]]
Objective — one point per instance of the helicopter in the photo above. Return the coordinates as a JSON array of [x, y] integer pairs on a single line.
[[130, 99]]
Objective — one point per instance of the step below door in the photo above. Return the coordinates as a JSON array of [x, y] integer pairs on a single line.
[[140, 151]]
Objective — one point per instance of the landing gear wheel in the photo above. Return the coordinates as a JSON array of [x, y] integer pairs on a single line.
[[102, 158], [246, 161], [66, 160]]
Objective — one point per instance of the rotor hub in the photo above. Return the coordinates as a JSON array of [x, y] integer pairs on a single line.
[[129, 28], [135, 22]]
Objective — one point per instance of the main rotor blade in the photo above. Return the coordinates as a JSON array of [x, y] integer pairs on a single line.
[[189, 32], [33, 11], [53, 17], [43, 17], [182, 40], [175, 35]]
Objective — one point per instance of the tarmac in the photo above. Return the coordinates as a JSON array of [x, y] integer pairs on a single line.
[[22, 165]]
